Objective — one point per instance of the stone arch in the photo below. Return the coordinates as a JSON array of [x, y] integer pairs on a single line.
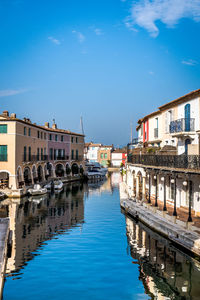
[[40, 173], [59, 170], [67, 169], [34, 174], [20, 180], [75, 169], [27, 176]]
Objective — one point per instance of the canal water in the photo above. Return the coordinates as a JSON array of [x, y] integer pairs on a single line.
[[79, 245]]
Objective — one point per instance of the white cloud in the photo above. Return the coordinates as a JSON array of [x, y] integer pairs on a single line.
[[98, 31], [145, 13], [53, 40], [6, 93], [190, 62], [80, 36]]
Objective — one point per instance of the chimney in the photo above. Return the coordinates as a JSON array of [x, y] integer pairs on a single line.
[[13, 116], [54, 126], [46, 124], [5, 113]]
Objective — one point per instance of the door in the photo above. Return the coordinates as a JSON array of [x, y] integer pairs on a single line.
[[187, 142], [187, 117]]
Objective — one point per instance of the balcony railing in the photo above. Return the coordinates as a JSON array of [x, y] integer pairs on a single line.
[[135, 141], [155, 133], [171, 161], [182, 125], [34, 158]]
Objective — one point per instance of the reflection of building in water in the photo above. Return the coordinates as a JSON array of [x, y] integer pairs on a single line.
[[116, 179], [166, 272], [32, 223], [98, 187]]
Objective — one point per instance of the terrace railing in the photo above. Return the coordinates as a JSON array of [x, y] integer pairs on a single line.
[[35, 158], [182, 125], [172, 161]]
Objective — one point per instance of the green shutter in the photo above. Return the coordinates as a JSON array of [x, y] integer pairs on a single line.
[[3, 153], [3, 128]]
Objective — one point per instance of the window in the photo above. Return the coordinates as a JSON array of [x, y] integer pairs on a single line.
[[29, 132], [105, 155], [72, 139], [45, 151], [56, 137], [3, 153], [50, 137], [51, 153], [76, 140], [41, 154], [41, 135], [45, 136], [76, 154], [38, 134], [24, 153], [62, 138], [101, 155], [55, 156], [24, 130], [29, 153], [3, 128], [38, 154], [72, 154]]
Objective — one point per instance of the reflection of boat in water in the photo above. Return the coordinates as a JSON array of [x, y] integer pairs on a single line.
[[56, 185], [37, 199], [165, 271], [37, 190]]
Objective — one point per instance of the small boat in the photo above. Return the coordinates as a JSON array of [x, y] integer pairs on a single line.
[[58, 185], [37, 190], [37, 199]]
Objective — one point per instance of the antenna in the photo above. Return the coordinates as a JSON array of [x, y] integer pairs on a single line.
[[131, 132], [81, 124]]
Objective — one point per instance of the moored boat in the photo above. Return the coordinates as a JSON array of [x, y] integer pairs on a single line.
[[37, 190]]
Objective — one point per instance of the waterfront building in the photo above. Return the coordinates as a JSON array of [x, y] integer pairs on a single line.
[[31, 153], [104, 155], [164, 166], [118, 157], [91, 151]]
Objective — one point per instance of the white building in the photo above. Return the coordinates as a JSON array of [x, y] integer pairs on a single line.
[[91, 151]]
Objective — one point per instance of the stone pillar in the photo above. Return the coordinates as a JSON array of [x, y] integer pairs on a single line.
[[190, 201], [137, 187], [156, 190], [144, 188], [164, 190], [149, 199], [13, 182], [174, 212]]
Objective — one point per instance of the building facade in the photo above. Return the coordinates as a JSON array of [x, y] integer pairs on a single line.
[[30, 153], [164, 166], [91, 151], [104, 155], [118, 157]]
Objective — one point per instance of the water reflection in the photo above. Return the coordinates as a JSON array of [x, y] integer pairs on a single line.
[[166, 272], [37, 219]]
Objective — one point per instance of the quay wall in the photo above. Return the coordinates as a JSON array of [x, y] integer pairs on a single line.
[[161, 223]]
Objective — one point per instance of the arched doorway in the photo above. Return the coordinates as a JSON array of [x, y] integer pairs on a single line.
[[27, 176], [49, 169], [60, 172], [4, 179], [68, 169], [187, 117], [40, 173], [75, 169], [187, 142]]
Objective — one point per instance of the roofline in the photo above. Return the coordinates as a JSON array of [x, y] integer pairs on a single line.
[[184, 98], [63, 131]]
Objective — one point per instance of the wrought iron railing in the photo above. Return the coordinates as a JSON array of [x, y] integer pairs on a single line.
[[172, 161], [34, 158], [180, 125], [155, 133]]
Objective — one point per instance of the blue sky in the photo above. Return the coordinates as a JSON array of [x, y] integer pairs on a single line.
[[111, 61]]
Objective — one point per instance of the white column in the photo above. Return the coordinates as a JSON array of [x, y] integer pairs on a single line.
[[143, 188]]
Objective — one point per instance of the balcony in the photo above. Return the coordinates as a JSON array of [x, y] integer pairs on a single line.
[[35, 158], [155, 133], [169, 161], [182, 125]]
